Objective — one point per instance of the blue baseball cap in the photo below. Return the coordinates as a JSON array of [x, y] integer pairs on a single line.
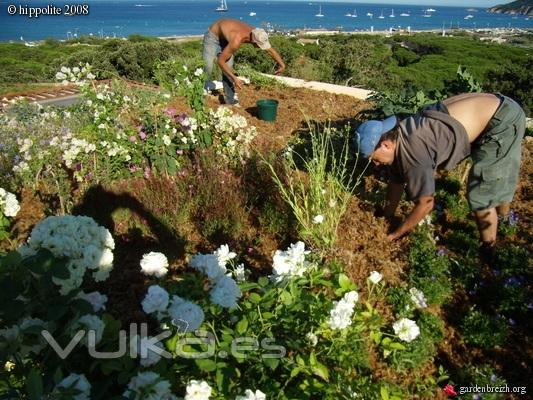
[[369, 133]]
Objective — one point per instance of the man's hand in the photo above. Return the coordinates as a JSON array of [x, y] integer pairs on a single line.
[[238, 83], [280, 70]]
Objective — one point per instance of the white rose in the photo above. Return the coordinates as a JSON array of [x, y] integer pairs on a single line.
[[197, 390], [406, 329], [155, 264], [375, 277]]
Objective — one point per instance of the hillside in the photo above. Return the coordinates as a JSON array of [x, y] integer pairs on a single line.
[[523, 7]]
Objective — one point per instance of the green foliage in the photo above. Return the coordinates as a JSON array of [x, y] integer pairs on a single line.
[[319, 198], [421, 350], [482, 376], [514, 80], [484, 330]]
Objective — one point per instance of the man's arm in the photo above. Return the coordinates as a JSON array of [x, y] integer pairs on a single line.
[[423, 207], [222, 59], [394, 195], [275, 55]]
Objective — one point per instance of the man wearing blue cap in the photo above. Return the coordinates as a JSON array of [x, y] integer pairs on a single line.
[[487, 127]]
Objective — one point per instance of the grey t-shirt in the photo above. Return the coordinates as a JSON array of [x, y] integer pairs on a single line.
[[428, 140]]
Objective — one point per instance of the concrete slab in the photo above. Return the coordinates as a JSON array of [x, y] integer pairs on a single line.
[[358, 93]]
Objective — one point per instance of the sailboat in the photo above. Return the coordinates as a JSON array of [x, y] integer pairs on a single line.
[[392, 14], [369, 14], [223, 7], [381, 16], [354, 15], [319, 12], [405, 14]]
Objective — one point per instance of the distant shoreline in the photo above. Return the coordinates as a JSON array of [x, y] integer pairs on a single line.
[[326, 32]]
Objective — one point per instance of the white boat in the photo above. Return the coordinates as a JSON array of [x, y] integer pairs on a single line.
[[392, 14], [405, 15], [223, 7], [252, 14], [319, 12], [469, 16], [354, 15], [369, 14], [426, 14], [431, 10], [381, 16]]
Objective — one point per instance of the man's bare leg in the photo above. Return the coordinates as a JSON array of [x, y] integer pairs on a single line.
[[487, 224], [503, 209]]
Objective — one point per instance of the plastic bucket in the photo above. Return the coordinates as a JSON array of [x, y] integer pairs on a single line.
[[268, 109]]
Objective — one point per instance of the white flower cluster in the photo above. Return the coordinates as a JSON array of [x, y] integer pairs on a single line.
[[340, 316], [233, 130], [185, 315], [114, 149], [186, 131], [289, 263], [9, 206], [95, 299], [224, 290], [77, 75], [74, 382], [406, 329], [148, 386], [197, 390], [78, 238], [155, 264], [417, 297], [250, 395], [90, 322]]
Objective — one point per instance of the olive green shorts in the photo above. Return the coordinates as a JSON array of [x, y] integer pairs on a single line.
[[496, 157]]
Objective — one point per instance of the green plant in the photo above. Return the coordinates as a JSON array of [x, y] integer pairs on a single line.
[[319, 197], [484, 330]]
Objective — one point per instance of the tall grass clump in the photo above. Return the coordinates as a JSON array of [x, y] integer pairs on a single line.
[[318, 185]]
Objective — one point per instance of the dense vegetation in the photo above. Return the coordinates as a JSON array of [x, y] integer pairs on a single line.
[[388, 64]]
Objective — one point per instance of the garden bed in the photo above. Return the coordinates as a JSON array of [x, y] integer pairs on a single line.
[[206, 204]]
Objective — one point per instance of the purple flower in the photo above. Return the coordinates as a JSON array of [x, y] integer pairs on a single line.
[[493, 378], [512, 281], [472, 292], [496, 272], [511, 321], [441, 251]]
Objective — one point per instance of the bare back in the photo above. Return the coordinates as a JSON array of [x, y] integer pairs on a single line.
[[233, 31], [473, 111]]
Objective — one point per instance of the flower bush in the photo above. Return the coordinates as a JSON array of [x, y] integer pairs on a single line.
[[9, 208]]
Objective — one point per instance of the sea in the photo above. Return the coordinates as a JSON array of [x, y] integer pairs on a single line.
[[166, 18]]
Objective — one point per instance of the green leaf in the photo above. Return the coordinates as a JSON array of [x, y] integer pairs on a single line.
[[286, 298], [384, 393], [60, 269], [254, 298], [34, 385], [345, 283], [397, 346], [263, 281], [321, 371], [295, 372], [312, 359], [206, 364], [271, 363], [242, 326], [11, 259]]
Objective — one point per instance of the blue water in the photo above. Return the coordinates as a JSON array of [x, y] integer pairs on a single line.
[[171, 18]]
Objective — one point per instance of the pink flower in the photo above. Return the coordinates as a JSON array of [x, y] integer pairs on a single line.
[[179, 152], [142, 135], [170, 111], [133, 139], [449, 390], [147, 172]]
